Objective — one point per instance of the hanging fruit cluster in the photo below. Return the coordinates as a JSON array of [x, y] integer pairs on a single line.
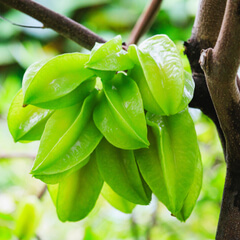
[[114, 122]]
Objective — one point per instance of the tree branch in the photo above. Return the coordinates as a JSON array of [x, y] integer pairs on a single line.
[[61, 24], [220, 66], [145, 21], [204, 35]]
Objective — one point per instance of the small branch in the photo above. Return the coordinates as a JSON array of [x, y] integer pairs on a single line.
[[61, 24], [145, 21], [20, 25], [42, 192], [17, 155]]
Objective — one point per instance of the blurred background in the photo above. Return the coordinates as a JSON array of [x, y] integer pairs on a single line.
[[20, 47]]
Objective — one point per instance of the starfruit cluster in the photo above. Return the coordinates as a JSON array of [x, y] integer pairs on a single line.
[[113, 122]]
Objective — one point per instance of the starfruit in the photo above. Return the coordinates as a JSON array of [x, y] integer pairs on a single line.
[[70, 136], [48, 81], [77, 194], [119, 170], [109, 56], [26, 123], [160, 75], [120, 115], [117, 201], [170, 164]]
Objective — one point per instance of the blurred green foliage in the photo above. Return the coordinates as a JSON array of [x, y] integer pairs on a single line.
[[20, 47]]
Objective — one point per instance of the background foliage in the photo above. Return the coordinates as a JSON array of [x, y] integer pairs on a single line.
[[19, 47]]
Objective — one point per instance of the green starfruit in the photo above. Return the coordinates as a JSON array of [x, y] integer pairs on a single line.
[[119, 170], [109, 56], [162, 80], [78, 193], [120, 116], [57, 177], [26, 123], [69, 137], [48, 80], [193, 194], [117, 201], [170, 163]]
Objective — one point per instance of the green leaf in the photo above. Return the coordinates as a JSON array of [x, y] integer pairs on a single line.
[[169, 165], [26, 123], [57, 177], [49, 80], [74, 97], [193, 193], [28, 217], [109, 56], [120, 171], [78, 193], [117, 201], [163, 73], [69, 137], [120, 115]]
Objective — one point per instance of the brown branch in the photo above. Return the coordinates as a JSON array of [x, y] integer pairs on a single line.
[[42, 192], [61, 24], [208, 22], [220, 66], [204, 35], [145, 21], [17, 155]]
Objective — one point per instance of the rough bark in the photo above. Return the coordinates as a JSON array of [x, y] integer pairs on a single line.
[[205, 32], [220, 66]]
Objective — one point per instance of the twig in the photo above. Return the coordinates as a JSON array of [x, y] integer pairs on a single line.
[[61, 24], [42, 192], [20, 25], [144, 21], [17, 155]]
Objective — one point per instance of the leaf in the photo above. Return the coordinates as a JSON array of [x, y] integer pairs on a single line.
[[117, 201], [69, 137], [120, 116], [57, 177], [193, 194], [28, 217], [120, 171], [109, 56], [163, 73], [78, 193], [26, 123], [74, 97], [49, 80], [169, 165]]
